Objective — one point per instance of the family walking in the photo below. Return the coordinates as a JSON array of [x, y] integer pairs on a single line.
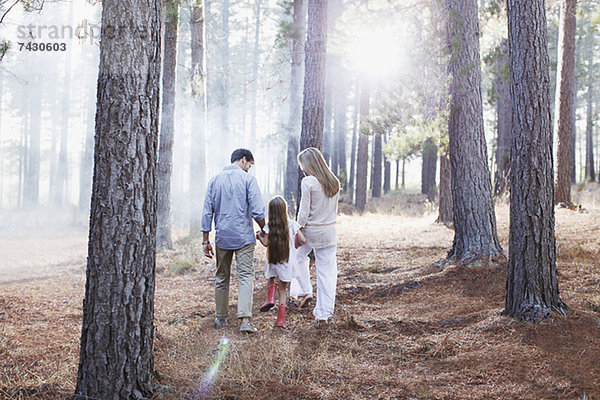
[[233, 200]]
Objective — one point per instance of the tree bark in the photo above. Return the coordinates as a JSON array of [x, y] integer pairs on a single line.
[[504, 115], [565, 89], [314, 80], [291, 169], [363, 149], [474, 217], [197, 170], [531, 286], [167, 125], [116, 339], [445, 215]]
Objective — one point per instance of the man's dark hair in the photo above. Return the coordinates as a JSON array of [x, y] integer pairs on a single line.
[[241, 153]]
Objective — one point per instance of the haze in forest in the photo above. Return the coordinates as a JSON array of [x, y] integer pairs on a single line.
[[50, 96]]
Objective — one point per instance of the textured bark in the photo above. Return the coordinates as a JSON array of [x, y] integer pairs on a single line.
[[116, 339], [167, 125], [377, 165], [314, 80], [429, 169], [531, 285], [363, 150], [291, 170], [504, 115], [224, 76], [445, 215], [475, 234], [565, 90], [198, 135]]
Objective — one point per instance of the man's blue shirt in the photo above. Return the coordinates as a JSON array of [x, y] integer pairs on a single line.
[[233, 199]]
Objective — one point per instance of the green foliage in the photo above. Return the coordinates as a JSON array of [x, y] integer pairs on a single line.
[[4, 47]]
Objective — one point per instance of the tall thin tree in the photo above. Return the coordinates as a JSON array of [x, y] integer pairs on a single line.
[[531, 285], [167, 124], [116, 359], [294, 122], [362, 155], [474, 217], [314, 79], [565, 89], [197, 171]]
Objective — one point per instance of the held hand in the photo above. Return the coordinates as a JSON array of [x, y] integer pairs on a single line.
[[208, 250], [299, 240]]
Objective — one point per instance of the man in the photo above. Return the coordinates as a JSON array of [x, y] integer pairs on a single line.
[[233, 199]]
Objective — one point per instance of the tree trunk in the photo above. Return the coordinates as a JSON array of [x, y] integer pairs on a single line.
[[429, 169], [197, 172], [403, 172], [116, 339], [445, 215], [167, 124], [363, 149], [397, 173], [254, 84], [386, 170], [87, 156], [531, 286], [291, 169], [475, 234], [327, 132], [31, 187], [224, 78], [314, 80], [504, 115], [590, 172], [352, 174], [377, 164], [340, 131], [565, 89]]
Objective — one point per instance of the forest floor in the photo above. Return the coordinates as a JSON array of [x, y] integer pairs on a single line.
[[407, 325]]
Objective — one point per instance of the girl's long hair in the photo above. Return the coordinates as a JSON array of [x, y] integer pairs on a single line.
[[312, 162], [278, 250]]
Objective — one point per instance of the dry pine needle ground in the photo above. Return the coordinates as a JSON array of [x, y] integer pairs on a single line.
[[406, 325]]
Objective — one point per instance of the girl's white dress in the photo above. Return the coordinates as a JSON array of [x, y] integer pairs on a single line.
[[288, 270]]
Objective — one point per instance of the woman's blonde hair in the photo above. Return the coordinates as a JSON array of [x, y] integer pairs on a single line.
[[312, 162], [278, 250]]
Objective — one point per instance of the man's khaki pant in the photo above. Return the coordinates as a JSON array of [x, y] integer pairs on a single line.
[[244, 261]]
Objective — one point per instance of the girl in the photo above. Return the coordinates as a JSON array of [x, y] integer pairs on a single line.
[[279, 236], [320, 191]]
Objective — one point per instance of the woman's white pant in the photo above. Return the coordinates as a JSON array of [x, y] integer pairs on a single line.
[[326, 266]]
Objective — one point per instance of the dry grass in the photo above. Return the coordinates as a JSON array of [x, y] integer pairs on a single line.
[[406, 326]]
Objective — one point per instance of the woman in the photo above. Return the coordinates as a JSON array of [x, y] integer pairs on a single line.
[[316, 217]]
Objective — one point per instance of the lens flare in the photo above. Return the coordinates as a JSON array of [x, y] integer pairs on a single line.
[[203, 387]]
